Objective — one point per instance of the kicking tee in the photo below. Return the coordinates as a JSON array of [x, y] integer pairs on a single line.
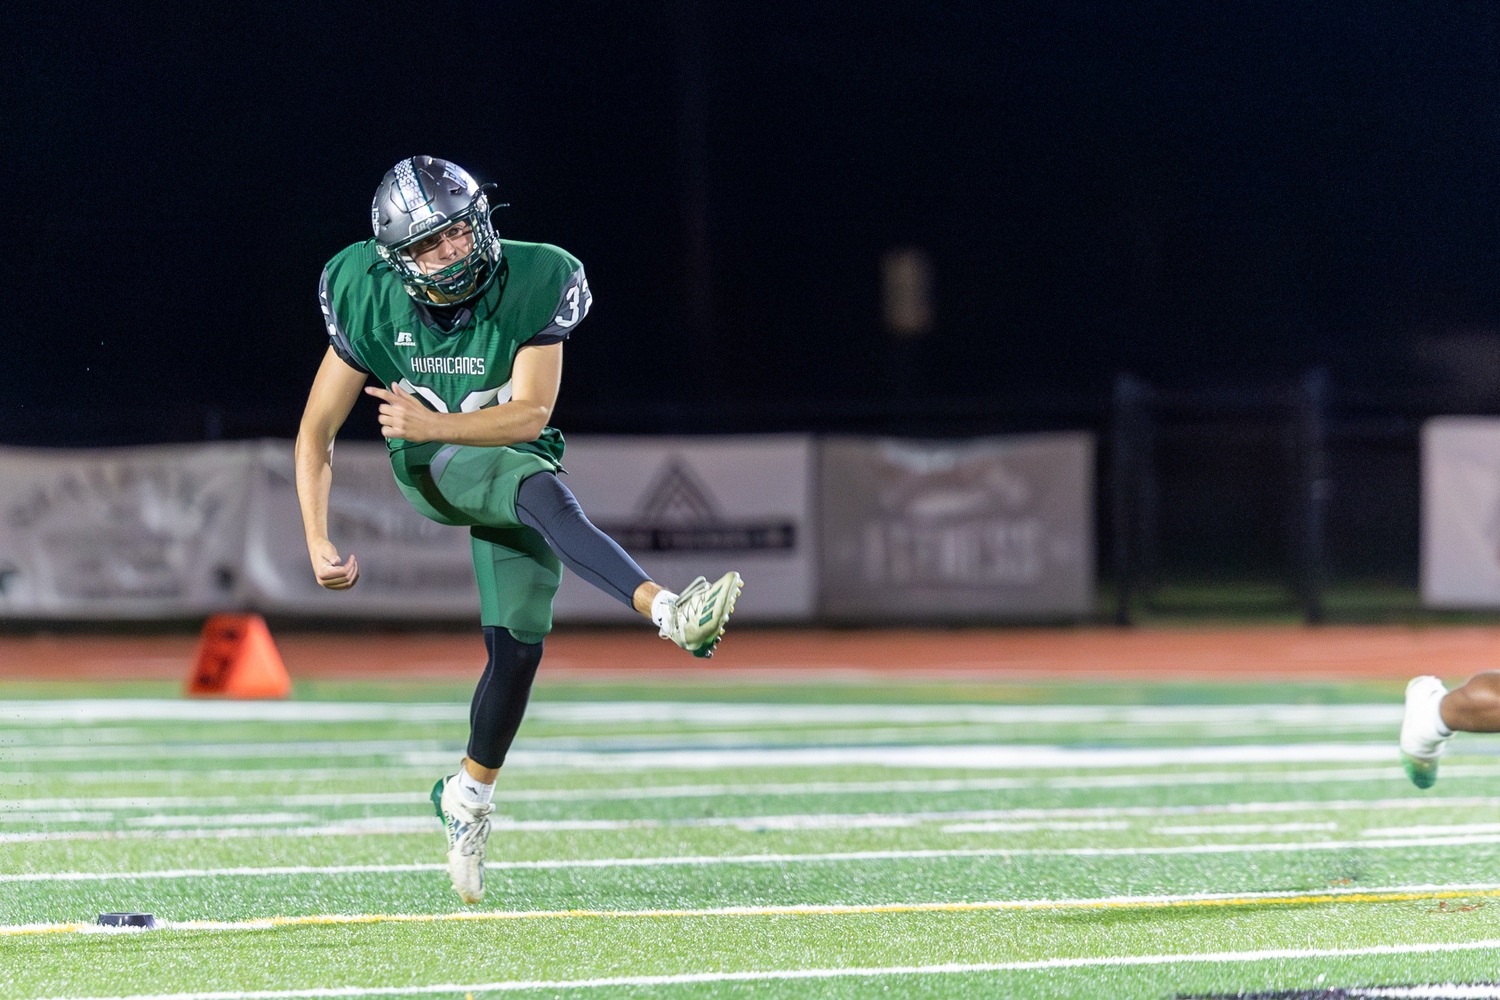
[[454, 359]]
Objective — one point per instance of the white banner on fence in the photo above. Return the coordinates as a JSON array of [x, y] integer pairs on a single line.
[[409, 567], [184, 530], [701, 506], [1461, 512], [122, 532], [972, 530], [681, 506], [957, 530]]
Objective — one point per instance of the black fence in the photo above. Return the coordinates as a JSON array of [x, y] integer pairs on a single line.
[[1275, 484]]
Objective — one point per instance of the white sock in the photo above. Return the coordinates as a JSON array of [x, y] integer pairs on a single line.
[[659, 606], [471, 789], [1437, 719]]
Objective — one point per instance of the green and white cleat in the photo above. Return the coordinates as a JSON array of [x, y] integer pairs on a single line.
[[1422, 771], [468, 827], [696, 619], [1422, 742]]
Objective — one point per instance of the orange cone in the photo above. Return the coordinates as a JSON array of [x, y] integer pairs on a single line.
[[237, 659]]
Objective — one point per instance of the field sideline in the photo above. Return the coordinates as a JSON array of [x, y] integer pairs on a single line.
[[801, 818]]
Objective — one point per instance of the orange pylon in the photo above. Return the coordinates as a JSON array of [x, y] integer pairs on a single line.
[[236, 658]]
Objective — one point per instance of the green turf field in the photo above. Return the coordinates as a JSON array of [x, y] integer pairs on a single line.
[[907, 840]]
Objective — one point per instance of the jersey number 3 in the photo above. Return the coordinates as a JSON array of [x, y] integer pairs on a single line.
[[571, 301]]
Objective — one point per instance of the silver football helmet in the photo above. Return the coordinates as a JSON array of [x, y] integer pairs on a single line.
[[419, 198]]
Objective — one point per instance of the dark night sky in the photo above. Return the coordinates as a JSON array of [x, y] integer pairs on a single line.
[[1194, 193]]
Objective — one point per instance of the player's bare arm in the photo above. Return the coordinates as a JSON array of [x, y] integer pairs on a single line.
[[535, 378], [334, 392]]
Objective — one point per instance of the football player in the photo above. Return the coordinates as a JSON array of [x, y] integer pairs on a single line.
[[464, 333], [1433, 714]]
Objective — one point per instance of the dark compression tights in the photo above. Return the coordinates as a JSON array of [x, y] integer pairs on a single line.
[[547, 505], [500, 699]]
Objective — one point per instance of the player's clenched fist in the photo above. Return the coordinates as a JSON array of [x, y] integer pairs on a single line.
[[403, 416], [332, 572]]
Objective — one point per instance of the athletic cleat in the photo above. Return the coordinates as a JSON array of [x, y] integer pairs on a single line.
[[1421, 744], [696, 619], [468, 828]]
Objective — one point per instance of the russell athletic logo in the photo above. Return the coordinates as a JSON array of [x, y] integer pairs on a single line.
[[404, 338], [678, 513]]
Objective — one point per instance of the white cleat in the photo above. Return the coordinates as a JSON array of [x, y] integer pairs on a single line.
[[1421, 742], [696, 619], [468, 827]]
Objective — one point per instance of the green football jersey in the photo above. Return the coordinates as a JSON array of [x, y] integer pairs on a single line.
[[540, 295]]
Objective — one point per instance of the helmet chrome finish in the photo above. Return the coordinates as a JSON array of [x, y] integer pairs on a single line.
[[422, 196]]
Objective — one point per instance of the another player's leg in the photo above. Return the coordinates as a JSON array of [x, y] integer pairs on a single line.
[[1423, 733], [463, 800], [694, 619], [1432, 715]]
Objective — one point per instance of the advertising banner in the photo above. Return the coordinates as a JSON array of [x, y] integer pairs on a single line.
[[1461, 512], [409, 567], [975, 530], [122, 532], [700, 506], [874, 530]]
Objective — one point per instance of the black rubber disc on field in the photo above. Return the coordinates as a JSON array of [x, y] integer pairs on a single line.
[[144, 920]]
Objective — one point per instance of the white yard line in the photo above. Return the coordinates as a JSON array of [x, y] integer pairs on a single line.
[[943, 785], [331, 800], [17, 815], [364, 773], [186, 873], [956, 820], [221, 820], [716, 714], [87, 711], [1000, 819], [954, 968], [978, 757], [1206, 809], [377, 774], [342, 828], [759, 859], [238, 751], [1349, 774], [730, 714], [999, 852], [1232, 828], [1434, 830], [1026, 827]]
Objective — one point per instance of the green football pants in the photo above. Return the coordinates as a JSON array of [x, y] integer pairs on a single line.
[[517, 572]]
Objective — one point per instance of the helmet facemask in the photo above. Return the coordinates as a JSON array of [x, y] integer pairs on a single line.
[[465, 278]]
